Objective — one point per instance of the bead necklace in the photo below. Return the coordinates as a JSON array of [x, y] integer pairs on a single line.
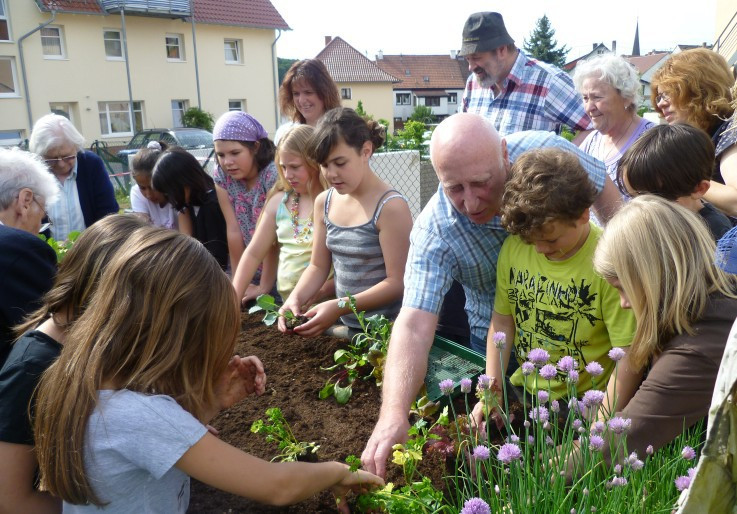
[[614, 148], [300, 235]]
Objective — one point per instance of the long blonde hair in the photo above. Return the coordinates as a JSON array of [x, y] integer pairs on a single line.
[[663, 256], [163, 320]]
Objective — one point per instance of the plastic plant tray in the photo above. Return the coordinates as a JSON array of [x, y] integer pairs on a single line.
[[449, 360]]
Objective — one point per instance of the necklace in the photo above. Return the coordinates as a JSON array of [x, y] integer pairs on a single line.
[[300, 234], [619, 139]]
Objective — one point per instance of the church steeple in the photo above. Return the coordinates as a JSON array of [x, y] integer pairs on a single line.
[[636, 45]]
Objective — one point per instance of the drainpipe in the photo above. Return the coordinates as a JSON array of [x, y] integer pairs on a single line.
[[276, 79], [127, 67], [23, 66], [194, 45]]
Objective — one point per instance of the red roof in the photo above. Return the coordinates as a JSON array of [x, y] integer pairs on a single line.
[[346, 64], [645, 62], [425, 71]]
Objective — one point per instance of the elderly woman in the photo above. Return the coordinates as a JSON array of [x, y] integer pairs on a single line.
[[694, 87], [87, 194], [27, 264], [610, 88]]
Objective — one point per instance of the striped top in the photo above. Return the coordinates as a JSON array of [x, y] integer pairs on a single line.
[[357, 258]]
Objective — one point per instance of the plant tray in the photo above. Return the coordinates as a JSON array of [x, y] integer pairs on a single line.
[[449, 360]]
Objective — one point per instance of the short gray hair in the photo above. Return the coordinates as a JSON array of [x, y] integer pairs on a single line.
[[51, 131], [18, 170], [613, 70]]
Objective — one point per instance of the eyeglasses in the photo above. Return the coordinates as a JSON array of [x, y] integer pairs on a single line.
[[662, 97], [53, 162], [49, 223]]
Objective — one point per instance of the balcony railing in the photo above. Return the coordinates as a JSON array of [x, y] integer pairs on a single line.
[[726, 43], [149, 7]]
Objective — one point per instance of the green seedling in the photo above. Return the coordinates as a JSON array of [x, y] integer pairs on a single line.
[[277, 430], [266, 302]]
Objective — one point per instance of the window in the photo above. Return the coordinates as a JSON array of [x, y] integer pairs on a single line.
[[345, 93], [233, 51], [236, 105], [432, 101], [175, 47], [62, 109], [4, 30], [426, 79], [177, 110], [115, 118], [52, 43], [452, 98], [113, 45], [8, 78], [403, 99], [10, 137]]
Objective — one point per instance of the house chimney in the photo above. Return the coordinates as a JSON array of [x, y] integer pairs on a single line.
[[614, 46], [380, 55], [328, 39], [593, 46], [453, 54]]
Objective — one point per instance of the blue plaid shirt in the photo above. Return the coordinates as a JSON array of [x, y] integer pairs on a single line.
[[445, 245], [534, 96]]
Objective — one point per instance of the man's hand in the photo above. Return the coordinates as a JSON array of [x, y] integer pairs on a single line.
[[386, 434]]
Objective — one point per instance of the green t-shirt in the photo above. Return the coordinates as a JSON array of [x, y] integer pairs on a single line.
[[563, 307]]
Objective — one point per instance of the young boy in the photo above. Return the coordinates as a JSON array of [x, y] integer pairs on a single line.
[[547, 294], [674, 162]]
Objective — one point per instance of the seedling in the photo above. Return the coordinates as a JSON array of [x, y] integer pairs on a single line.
[[61, 247], [277, 430], [266, 302]]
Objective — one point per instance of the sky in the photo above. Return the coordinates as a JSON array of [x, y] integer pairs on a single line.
[[433, 27]]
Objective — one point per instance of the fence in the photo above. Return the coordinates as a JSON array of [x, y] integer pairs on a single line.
[[408, 174]]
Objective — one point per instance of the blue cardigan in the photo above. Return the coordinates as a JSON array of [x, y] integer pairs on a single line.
[[96, 193]]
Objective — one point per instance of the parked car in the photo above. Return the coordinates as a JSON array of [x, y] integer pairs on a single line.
[[187, 138]]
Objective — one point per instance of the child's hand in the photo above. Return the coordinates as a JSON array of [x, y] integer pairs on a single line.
[[357, 481], [243, 376], [253, 291], [321, 317], [289, 305], [478, 415]]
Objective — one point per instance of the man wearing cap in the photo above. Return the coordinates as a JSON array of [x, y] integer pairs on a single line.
[[514, 91]]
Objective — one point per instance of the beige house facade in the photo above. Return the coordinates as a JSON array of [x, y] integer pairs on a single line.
[[80, 62]]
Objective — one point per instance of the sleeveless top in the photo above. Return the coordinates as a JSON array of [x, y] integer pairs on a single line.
[[294, 252], [357, 258]]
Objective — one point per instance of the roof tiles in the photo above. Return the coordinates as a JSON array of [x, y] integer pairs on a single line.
[[425, 71], [346, 64]]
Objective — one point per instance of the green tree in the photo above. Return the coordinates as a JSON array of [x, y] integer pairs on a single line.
[[283, 66], [543, 46], [362, 112], [197, 118], [423, 114]]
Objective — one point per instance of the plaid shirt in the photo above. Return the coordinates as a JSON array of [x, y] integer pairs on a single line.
[[445, 245], [534, 96]]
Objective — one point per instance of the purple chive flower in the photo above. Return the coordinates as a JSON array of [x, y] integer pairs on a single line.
[[548, 372], [619, 482], [465, 385], [619, 425], [526, 424], [637, 465], [527, 368], [573, 376], [596, 443], [598, 427], [683, 483], [573, 511], [542, 396], [618, 469], [549, 441], [446, 386], [547, 425], [538, 356], [616, 354], [539, 414], [555, 406], [499, 339], [634, 462], [496, 488], [594, 369], [566, 364], [484, 382], [585, 491], [577, 423], [530, 439], [509, 452], [593, 398], [475, 506], [688, 453], [513, 439], [649, 450], [481, 452]]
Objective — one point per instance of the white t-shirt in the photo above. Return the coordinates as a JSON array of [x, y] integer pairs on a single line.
[[132, 442], [164, 216]]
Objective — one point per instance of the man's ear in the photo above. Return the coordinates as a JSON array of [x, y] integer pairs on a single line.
[[25, 199], [701, 189]]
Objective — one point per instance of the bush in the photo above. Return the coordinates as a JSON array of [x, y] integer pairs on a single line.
[[194, 117]]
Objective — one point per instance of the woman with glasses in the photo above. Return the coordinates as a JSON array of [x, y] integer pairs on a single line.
[[87, 194], [694, 87]]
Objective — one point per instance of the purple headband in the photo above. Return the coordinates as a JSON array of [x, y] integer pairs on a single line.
[[238, 126]]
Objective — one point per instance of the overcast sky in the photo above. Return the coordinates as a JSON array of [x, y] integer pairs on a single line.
[[434, 27]]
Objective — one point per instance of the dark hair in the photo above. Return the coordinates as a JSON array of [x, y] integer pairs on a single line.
[[546, 184], [144, 160], [668, 161], [316, 74], [265, 153], [343, 124], [177, 169]]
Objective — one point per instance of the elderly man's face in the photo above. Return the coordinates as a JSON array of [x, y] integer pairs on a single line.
[[488, 67], [61, 159]]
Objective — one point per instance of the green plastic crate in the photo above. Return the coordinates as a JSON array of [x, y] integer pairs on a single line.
[[451, 360]]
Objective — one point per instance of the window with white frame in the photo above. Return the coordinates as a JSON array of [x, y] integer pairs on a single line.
[[52, 42], [233, 51], [236, 105], [345, 93], [62, 109], [8, 78], [432, 101], [452, 98], [175, 47], [4, 28], [115, 118], [113, 44], [177, 110], [403, 99]]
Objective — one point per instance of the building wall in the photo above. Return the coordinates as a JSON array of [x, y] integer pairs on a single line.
[[445, 108], [726, 26], [377, 99], [85, 76]]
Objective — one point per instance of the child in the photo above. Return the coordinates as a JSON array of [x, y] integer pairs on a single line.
[[674, 162], [547, 294], [244, 175], [121, 415], [287, 218], [362, 228], [41, 338], [181, 179], [146, 201]]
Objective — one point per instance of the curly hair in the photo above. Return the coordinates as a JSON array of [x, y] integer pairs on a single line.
[[316, 75], [699, 82], [546, 184]]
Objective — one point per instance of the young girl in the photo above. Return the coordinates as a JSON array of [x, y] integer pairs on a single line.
[[146, 201], [41, 338], [121, 415], [287, 218], [362, 228], [244, 175], [181, 179]]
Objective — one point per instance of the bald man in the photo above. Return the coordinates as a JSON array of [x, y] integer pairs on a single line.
[[457, 236]]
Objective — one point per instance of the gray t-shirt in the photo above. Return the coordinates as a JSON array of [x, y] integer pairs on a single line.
[[132, 442]]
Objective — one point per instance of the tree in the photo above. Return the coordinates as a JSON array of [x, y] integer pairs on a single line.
[[423, 114], [543, 46], [197, 118], [283, 66]]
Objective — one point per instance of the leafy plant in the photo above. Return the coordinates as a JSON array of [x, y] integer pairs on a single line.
[[61, 247], [266, 302], [197, 118], [423, 114], [277, 430]]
